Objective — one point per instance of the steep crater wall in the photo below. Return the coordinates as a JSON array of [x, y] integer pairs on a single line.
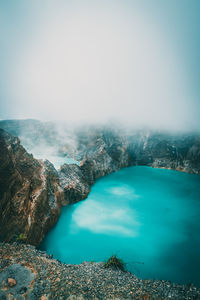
[[32, 191], [30, 194]]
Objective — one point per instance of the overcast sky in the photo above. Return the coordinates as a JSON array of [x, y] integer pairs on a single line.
[[134, 62]]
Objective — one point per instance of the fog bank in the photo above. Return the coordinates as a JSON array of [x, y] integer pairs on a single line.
[[102, 61]]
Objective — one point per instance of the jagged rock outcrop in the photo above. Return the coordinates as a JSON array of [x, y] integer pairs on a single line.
[[103, 153], [100, 156], [74, 184], [30, 195]]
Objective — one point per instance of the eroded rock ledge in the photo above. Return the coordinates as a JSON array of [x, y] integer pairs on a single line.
[[36, 276]]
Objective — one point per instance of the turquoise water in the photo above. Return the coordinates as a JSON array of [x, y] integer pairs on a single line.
[[148, 217]]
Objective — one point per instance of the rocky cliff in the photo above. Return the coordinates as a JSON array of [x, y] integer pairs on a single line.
[[104, 153], [178, 152], [74, 184], [107, 151], [30, 195], [33, 191]]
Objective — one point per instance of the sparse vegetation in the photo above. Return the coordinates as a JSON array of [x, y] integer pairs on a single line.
[[21, 237], [115, 263]]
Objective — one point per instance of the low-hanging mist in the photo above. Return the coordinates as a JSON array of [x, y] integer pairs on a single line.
[[97, 61]]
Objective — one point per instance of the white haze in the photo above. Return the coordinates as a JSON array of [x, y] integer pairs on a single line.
[[101, 63]]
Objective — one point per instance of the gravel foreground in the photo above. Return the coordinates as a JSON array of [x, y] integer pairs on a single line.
[[27, 273]]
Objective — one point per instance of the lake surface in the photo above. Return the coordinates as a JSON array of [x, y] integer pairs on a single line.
[[148, 217]]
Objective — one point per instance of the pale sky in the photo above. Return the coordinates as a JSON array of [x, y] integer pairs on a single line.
[[131, 62]]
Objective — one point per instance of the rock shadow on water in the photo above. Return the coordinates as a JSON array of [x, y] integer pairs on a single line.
[[57, 235]]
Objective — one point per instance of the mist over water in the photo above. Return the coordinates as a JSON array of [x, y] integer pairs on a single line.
[[148, 217]]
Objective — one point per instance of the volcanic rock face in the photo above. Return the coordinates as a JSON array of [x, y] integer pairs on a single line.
[[32, 191], [75, 186], [177, 152], [30, 195], [101, 152], [106, 151]]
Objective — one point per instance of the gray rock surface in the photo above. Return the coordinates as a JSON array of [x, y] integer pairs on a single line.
[[23, 277], [74, 184], [40, 278]]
